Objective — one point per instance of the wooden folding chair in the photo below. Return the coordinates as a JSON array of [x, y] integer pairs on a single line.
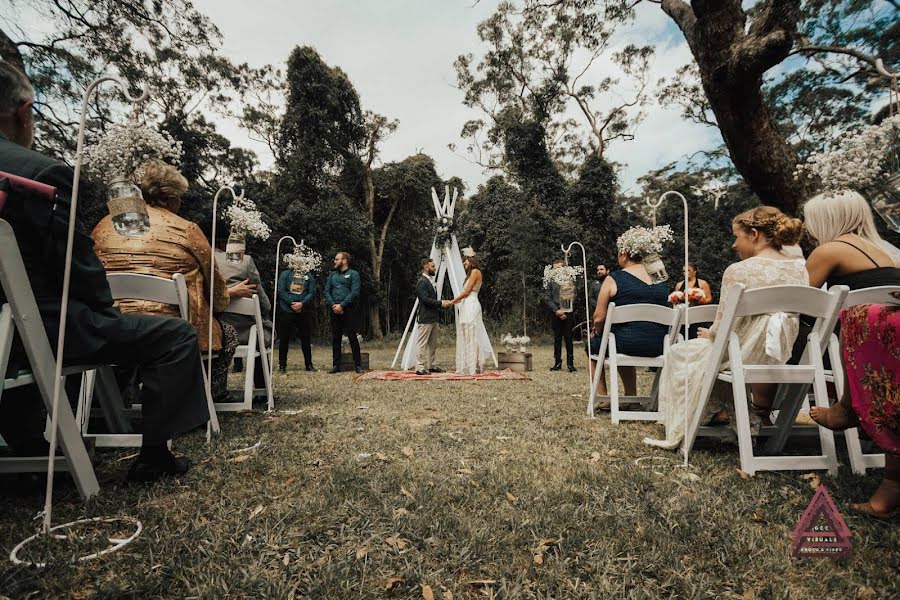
[[21, 315], [135, 286], [824, 307], [612, 359], [255, 347]]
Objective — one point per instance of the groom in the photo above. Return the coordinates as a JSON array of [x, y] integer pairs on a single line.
[[429, 319]]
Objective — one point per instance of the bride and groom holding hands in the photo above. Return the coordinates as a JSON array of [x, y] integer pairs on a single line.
[[469, 359]]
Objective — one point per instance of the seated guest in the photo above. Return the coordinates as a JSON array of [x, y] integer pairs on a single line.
[[629, 285], [174, 245], [869, 334], [295, 306], [759, 235], [164, 350], [244, 272], [849, 250]]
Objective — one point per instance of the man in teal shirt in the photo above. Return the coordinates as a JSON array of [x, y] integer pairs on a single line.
[[342, 297], [294, 313]]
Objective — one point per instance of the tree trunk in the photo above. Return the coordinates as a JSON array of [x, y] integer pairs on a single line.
[[10, 52], [732, 57]]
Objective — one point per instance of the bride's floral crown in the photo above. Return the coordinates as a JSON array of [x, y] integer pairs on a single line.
[[643, 241]]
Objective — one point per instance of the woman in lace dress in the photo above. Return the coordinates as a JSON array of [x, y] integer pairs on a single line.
[[759, 235], [469, 356]]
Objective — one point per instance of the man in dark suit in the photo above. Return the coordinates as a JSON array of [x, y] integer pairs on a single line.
[[596, 284], [429, 319], [561, 323], [164, 350]]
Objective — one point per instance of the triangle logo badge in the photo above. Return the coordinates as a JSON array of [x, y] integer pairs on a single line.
[[821, 531]]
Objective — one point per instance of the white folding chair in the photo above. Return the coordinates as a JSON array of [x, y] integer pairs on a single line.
[[21, 315], [255, 347], [824, 307], [859, 461], [698, 314], [135, 286], [612, 359]]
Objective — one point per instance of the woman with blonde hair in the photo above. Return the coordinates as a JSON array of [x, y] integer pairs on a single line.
[[849, 250], [759, 236], [174, 245]]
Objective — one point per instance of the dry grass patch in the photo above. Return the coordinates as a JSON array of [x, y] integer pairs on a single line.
[[451, 490]]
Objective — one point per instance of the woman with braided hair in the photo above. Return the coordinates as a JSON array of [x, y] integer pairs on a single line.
[[759, 235]]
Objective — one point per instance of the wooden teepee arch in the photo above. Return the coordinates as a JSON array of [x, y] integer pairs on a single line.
[[449, 261]]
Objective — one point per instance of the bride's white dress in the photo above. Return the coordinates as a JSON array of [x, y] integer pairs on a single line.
[[469, 357], [765, 339]]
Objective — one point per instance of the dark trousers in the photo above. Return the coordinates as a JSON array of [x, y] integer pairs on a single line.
[[562, 329], [165, 353], [285, 325], [341, 325]]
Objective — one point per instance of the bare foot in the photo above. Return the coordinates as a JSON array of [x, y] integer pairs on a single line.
[[884, 503], [836, 418]]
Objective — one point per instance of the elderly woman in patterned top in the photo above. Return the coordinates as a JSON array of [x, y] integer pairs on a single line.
[[174, 245]]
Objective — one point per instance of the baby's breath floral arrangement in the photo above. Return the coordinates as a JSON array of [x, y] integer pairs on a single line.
[[857, 160], [303, 259], [644, 241], [513, 343], [124, 147], [561, 275], [246, 219]]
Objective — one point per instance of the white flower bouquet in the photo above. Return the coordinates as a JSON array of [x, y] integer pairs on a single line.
[[303, 259], [644, 241], [246, 219], [561, 275], [123, 148], [857, 160], [515, 343]]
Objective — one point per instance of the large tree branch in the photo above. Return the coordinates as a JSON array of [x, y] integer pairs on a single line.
[[809, 50], [683, 15]]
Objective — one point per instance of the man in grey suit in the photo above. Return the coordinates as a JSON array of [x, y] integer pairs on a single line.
[[429, 319]]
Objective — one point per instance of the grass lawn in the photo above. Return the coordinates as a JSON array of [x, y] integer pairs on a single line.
[[450, 490]]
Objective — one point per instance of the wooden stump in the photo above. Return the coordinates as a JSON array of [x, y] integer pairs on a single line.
[[347, 361], [520, 362]]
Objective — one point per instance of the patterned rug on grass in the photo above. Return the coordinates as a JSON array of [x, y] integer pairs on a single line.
[[504, 375]]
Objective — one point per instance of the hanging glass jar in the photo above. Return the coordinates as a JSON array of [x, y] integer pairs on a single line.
[[127, 207], [885, 198], [567, 295], [235, 247], [297, 282], [655, 268]]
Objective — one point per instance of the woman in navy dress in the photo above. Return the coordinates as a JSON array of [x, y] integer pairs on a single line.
[[629, 285]]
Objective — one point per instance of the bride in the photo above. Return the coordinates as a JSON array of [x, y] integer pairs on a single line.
[[469, 357]]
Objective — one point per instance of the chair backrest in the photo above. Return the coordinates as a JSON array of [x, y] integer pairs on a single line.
[[648, 313], [874, 295], [135, 286], [702, 314], [251, 308]]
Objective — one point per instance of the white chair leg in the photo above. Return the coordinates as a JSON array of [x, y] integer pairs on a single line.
[[595, 381], [820, 393], [741, 412], [213, 425], [85, 400], [613, 381], [250, 370]]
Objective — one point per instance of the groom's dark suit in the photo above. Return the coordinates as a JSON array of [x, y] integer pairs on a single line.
[[429, 320]]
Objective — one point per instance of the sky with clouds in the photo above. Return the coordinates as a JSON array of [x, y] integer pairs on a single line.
[[399, 54]]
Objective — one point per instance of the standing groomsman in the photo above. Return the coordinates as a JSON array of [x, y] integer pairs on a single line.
[[429, 319], [596, 284], [342, 297], [561, 322]]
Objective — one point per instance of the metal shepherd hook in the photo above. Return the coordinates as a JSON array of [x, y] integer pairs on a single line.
[[687, 290], [587, 306], [67, 273], [275, 303]]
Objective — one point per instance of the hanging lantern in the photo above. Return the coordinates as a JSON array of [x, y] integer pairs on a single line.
[[235, 247], [655, 268], [297, 282], [127, 208], [567, 295], [885, 197]]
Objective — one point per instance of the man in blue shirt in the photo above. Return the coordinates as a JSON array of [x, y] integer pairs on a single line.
[[342, 298], [295, 300]]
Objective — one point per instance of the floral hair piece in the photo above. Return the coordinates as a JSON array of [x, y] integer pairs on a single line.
[[643, 241], [468, 251]]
